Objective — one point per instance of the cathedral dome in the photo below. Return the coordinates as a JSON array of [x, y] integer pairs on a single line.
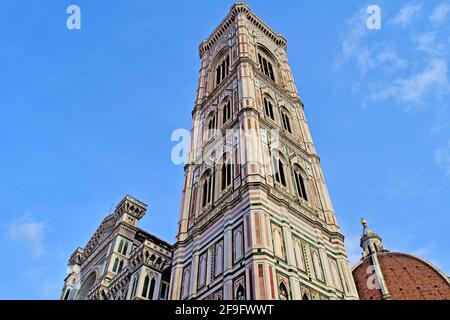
[[405, 277]]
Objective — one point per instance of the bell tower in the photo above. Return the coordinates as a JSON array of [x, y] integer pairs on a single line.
[[256, 220]]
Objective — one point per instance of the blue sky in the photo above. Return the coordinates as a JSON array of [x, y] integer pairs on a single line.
[[87, 115]]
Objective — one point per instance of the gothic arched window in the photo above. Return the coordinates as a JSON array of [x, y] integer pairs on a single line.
[[218, 259], [268, 108], [120, 246], [299, 254], [284, 295], [286, 121], [266, 66], [300, 184], [212, 126], [134, 287], [120, 266], [305, 297], [115, 265], [145, 287], [125, 248], [222, 69], [208, 189], [66, 295], [152, 289], [240, 293], [238, 241], [278, 242], [226, 112], [186, 281], [335, 275], [227, 171], [279, 171], [202, 271], [317, 265]]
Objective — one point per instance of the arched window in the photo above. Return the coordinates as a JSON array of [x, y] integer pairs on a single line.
[[86, 287], [66, 295], [115, 265], [202, 271], [335, 275], [226, 112], [286, 122], [134, 287], [268, 108], [120, 246], [227, 171], [266, 66], [186, 282], [125, 248], [152, 289], [212, 126], [300, 184], [240, 293], [278, 242], [208, 190], [279, 171], [145, 287], [284, 295], [218, 259], [120, 266], [305, 297], [317, 265], [222, 69], [238, 244], [299, 254], [193, 202]]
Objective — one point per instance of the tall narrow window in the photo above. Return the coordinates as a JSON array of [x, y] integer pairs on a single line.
[[284, 295], [218, 259], [240, 293], [186, 281], [66, 296], [163, 293], [286, 123], [317, 265], [227, 171], [238, 244], [268, 109], [208, 190], [222, 70], [145, 287], [279, 171], [300, 184], [226, 111], [152, 289], [116, 263], [120, 246], [134, 287], [120, 266], [266, 67], [202, 271], [212, 126]]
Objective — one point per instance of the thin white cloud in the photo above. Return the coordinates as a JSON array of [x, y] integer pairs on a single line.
[[354, 47], [406, 14], [415, 88], [440, 13], [29, 232], [427, 43], [442, 156]]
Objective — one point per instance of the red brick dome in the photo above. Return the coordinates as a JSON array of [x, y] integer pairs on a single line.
[[406, 277]]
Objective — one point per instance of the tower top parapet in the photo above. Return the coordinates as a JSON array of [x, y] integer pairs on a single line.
[[132, 207], [240, 8]]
